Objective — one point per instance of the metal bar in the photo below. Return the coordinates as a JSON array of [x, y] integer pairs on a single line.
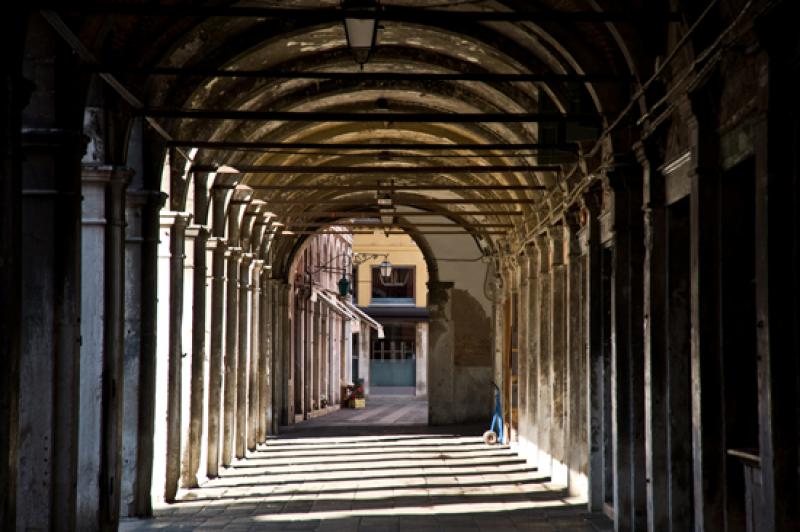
[[408, 201], [465, 232], [383, 187], [318, 116], [365, 214], [249, 145], [382, 226], [486, 77], [405, 170], [387, 13]]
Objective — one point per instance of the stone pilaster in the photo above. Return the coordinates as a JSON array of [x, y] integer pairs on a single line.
[[230, 360], [102, 377], [558, 355], [544, 412], [256, 332], [593, 311], [199, 356], [441, 356], [243, 354], [218, 249]]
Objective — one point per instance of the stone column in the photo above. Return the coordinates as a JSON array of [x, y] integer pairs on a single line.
[[364, 356], [167, 419], [655, 348], [277, 355], [627, 361], [777, 224], [199, 362], [93, 282], [441, 360], [49, 263], [321, 367], [132, 342], [286, 353], [256, 332], [243, 355], [422, 359], [148, 353], [589, 237], [218, 249], [708, 414], [559, 355], [522, 311], [265, 365], [186, 352], [545, 366], [102, 289], [529, 445], [577, 374], [231, 355]]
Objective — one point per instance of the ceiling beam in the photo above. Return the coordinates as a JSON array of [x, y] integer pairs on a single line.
[[366, 214], [324, 116], [387, 13], [385, 187], [396, 170], [464, 232], [403, 201], [486, 77], [365, 146], [379, 226]]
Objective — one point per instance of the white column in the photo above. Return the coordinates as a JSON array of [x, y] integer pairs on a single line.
[[422, 359], [166, 419], [90, 421]]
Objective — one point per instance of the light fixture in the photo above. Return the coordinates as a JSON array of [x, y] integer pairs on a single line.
[[387, 216], [361, 27], [384, 200], [386, 270]]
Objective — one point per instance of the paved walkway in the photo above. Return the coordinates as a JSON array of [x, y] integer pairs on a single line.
[[376, 469]]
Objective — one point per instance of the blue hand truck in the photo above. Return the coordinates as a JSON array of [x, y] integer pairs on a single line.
[[492, 436]]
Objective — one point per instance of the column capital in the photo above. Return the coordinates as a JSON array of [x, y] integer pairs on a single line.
[[140, 198], [233, 252], [170, 218], [198, 232], [556, 235], [91, 173], [215, 243], [437, 291]]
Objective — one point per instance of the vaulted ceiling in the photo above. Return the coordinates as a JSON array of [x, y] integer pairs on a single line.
[[455, 66]]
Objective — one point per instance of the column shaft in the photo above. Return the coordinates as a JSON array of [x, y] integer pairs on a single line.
[[243, 354], [231, 356], [215, 354]]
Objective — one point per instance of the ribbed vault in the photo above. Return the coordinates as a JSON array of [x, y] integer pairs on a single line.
[[567, 38]]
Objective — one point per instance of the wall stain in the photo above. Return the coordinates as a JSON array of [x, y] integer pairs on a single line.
[[473, 345]]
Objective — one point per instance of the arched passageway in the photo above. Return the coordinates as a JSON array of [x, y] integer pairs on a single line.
[[605, 193]]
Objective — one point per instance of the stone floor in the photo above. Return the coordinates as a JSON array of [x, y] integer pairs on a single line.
[[377, 469]]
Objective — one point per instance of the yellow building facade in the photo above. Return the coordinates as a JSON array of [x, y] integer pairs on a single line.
[[397, 363]]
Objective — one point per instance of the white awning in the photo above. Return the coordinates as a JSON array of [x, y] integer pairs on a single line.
[[363, 316], [347, 309], [334, 304]]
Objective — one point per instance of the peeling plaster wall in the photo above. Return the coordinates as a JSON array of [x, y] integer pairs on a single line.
[[467, 374]]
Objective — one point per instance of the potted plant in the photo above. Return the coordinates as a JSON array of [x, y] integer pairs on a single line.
[[355, 395]]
